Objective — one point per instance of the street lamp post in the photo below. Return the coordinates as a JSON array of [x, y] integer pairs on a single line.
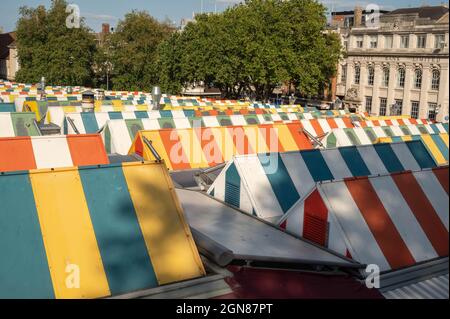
[[394, 109]]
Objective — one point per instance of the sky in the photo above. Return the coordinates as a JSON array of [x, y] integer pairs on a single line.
[[97, 12]]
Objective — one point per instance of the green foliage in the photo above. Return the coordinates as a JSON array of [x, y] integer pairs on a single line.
[[252, 48], [46, 47], [134, 51]]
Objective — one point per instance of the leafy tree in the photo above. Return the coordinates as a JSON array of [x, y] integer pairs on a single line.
[[46, 47], [254, 47], [134, 51]]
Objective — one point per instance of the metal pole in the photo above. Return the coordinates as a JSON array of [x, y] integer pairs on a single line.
[[152, 149]]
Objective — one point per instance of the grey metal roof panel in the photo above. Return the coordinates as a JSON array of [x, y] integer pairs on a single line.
[[248, 237], [434, 288]]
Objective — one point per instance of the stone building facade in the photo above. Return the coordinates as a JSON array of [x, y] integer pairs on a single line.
[[9, 62], [398, 66]]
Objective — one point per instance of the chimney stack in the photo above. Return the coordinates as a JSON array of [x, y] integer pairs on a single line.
[[105, 28], [358, 16]]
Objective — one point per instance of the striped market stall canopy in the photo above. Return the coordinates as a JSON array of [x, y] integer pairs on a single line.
[[370, 135], [392, 122], [104, 230], [392, 221], [386, 117], [7, 107], [56, 114], [436, 144], [37, 107], [200, 113], [281, 109], [18, 124], [28, 153], [91, 122], [321, 127], [87, 123], [299, 115], [269, 185], [183, 149]]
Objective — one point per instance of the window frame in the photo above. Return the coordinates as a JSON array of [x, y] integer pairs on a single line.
[[401, 78], [399, 110], [369, 105], [391, 37], [435, 81], [370, 75], [432, 106], [343, 74], [415, 109], [437, 44], [386, 77], [383, 106], [373, 40], [418, 74], [357, 67], [359, 42], [402, 44], [424, 44]]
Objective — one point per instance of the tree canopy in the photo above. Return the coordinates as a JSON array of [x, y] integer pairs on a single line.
[[250, 48], [47, 47], [133, 51], [253, 47]]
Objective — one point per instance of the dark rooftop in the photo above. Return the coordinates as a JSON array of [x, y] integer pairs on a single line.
[[433, 13], [6, 39]]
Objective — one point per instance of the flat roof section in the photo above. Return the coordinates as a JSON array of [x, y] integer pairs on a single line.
[[249, 238]]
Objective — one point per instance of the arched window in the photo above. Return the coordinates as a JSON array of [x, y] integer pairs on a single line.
[[418, 79], [357, 74], [371, 75], [435, 80], [401, 78], [385, 77], [343, 73]]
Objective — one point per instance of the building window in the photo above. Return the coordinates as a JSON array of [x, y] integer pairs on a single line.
[[385, 77], [357, 74], [371, 75], [435, 80], [369, 104], [418, 79], [397, 108], [383, 105], [359, 42], [415, 109], [388, 41], [439, 41], [404, 41], [343, 73], [421, 41], [373, 42], [432, 111], [401, 78], [346, 45]]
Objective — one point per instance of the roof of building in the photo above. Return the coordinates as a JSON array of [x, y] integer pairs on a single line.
[[431, 12], [6, 39], [352, 12], [425, 281], [220, 229]]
